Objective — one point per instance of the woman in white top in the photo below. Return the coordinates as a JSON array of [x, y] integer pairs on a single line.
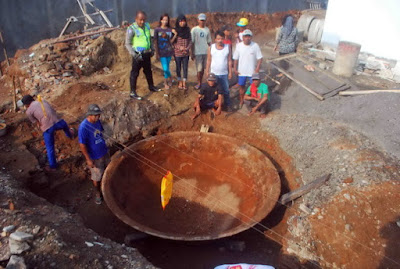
[[219, 62]]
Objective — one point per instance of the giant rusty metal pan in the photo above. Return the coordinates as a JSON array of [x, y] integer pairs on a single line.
[[222, 186]]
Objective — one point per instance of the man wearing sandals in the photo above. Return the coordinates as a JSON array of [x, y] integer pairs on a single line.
[[93, 147], [201, 40], [257, 96], [210, 97]]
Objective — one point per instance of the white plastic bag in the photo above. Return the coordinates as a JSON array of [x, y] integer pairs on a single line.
[[244, 266]]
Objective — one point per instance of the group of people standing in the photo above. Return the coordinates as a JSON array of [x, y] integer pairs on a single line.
[[180, 42], [216, 61]]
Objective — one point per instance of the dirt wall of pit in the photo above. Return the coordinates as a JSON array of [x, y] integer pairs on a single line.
[[42, 19]]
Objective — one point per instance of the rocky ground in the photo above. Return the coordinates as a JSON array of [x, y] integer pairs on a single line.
[[350, 222]]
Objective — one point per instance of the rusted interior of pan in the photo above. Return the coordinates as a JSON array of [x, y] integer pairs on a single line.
[[221, 186]]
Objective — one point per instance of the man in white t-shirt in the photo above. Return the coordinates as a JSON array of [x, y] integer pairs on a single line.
[[201, 40], [247, 61], [219, 62]]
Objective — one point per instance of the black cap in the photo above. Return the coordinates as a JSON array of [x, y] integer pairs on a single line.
[[226, 28], [212, 77], [27, 100], [256, 76], [94, 110]]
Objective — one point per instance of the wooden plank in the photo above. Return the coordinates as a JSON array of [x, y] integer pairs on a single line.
[[317, 95], [287, 197], [65, 27], [311, 74], [85, 35], [368, 92], [4, 49], [281, 58], [335, 92], [274, 80], [14, 94], [321, 70], [204, 128]]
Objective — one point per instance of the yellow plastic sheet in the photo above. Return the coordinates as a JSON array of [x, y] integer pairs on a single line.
[[166, 189]]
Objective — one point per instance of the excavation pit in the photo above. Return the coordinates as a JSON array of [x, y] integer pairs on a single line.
[[222, 186]]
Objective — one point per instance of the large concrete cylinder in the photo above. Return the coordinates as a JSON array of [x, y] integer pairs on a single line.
[[304, 23], [346, 58]]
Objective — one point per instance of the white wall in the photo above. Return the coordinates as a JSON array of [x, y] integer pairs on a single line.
[[375, 24]]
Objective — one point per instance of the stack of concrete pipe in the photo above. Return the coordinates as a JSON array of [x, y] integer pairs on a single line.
[[310, 28]]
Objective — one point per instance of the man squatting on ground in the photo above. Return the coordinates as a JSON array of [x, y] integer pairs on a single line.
[[46, 118], [219, 62], [201, 40], [93, 146], [247, 61], [257, 96], [210, 96], [139, 44]]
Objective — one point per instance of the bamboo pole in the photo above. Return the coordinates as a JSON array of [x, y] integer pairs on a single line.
[[84, 35], [281, 58], [14, 95], [4, 49], [368, 92]]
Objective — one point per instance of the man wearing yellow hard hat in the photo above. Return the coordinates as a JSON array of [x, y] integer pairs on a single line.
[[243, 22]]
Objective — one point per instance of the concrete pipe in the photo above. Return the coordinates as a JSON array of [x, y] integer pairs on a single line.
[[315, 31], [346, 58], [303, 25], [222, 186]]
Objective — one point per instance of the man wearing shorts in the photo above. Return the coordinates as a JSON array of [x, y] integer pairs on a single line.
[[210, 97], [93, 146], [247, 61], [201, 40]]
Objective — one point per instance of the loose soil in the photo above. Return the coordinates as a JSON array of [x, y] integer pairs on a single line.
[[351, 222]]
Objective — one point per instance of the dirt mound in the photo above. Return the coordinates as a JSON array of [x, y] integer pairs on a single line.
[[346, 241], [258, 23], [77, 98], [102, 54]]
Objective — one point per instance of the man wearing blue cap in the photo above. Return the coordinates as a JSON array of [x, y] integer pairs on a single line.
[[93, 146]]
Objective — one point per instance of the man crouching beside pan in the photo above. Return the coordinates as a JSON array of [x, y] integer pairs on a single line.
[[257, 96], [210, 97]]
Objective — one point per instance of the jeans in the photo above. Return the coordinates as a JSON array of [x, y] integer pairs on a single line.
[[165, 66], [182, 62], [48, 136], [223, 81], [136, 66]]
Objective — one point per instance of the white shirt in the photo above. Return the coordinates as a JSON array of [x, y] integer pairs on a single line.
[[219, 60], [247, 57]]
